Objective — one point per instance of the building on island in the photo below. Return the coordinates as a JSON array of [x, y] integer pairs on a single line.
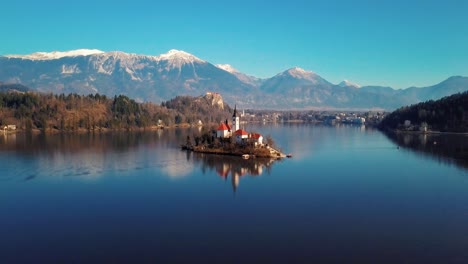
[[223, 131], [256, 138], [241, 136], [235, 120]]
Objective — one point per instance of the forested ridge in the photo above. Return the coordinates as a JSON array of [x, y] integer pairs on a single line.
[[73, 112], [199, 108], [449, 114]]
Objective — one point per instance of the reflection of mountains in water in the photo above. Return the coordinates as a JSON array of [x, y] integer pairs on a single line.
[[233, 166], [447, 148]]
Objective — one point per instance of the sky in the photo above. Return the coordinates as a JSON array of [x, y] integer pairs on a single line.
[[369, 42]]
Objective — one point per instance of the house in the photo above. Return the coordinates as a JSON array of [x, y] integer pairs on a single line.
[[9, 127], [359, 120], [423, 127], [241, 135], [256, 138], [223, 131]]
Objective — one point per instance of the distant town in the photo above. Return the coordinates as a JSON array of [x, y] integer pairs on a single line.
[[49, 113], [311, 116]]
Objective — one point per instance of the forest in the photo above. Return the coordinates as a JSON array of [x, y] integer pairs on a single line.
[[449, 114], [73, 112], [192, 109]]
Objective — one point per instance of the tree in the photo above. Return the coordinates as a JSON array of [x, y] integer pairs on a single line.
[[270, 141], [178, 119]]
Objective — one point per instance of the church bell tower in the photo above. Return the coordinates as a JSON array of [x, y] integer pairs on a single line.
[[235, 120]]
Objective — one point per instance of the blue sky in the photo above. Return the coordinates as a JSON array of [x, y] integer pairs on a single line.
[[392, 43]]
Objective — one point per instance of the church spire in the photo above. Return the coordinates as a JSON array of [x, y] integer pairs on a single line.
[[235, 111], [235, 120]]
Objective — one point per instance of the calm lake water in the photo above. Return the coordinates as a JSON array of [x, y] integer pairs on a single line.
[[348, 195]]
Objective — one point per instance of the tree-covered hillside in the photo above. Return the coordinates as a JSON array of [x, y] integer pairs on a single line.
[[12, 87], [72, 112], [206, 108], [449, 114]]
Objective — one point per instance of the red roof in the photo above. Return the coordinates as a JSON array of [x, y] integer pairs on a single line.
[[255, 135], [223, 127], [241, 132]]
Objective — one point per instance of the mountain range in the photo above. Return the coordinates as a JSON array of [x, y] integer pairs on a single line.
[[159, 78]]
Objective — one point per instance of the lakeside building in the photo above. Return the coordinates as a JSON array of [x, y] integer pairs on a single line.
[[223, 131], [241, 136], [9, 128]]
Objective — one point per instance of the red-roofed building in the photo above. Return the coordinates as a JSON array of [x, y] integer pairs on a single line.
[[223, 131], [241, 135], [256, 138]]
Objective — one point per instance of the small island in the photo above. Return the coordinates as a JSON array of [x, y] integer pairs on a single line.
[[231, 140]]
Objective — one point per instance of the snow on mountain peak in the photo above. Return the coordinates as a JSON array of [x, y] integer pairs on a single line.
[[297, 69], [346, 83], [300, 73], [227, 67], [56, 54], [174, 54], [178, 58]]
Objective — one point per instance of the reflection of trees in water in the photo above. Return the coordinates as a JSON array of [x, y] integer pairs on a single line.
[[447, 148], [91, 142], [92, 154], [233, 166]]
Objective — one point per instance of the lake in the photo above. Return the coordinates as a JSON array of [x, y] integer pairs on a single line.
[[350, 194]]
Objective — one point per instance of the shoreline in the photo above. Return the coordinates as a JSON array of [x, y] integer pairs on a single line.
[[52, 131], [397, 131], [264, 152], [186, 125]]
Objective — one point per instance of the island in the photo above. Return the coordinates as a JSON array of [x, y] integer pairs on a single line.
[[230, 139]]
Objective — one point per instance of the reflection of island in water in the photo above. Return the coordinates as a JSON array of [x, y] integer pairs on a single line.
[[447, 148], [233, 166]]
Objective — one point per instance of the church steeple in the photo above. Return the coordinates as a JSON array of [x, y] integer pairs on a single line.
[[235, 120], [235, 111]]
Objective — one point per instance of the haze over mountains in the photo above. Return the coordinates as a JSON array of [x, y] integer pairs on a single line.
[[159, 78]]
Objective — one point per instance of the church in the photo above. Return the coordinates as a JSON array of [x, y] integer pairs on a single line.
[[241, 136]]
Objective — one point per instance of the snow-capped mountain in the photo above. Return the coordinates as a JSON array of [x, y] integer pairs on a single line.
[[56, 54], [177, 59], [297, 87], [145, 78], [159, 78], [300, 73], [251, 80], [294, 79], [346, 83], [227, 67]]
